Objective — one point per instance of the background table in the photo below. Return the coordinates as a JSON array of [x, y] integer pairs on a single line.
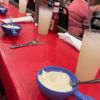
[[19, 67]]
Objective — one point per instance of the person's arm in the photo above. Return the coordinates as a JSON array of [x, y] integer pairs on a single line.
[[95, 8]]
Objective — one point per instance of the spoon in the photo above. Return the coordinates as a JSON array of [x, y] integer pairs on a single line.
[[14, 32], [85, 82], [11, 21]]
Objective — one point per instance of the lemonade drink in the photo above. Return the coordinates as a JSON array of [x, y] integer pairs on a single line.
[[89, 58], [45, 15], [22, 6]]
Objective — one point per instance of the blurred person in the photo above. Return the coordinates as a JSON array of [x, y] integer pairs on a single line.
[[1, 2], [79, 10]]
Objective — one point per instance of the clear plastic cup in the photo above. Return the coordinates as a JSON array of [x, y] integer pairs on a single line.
[[22, 6], [45, 15], [89, 57]]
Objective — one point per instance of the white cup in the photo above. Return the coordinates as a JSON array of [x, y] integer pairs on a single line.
[[89, 58], [45, 15], [22, 6]]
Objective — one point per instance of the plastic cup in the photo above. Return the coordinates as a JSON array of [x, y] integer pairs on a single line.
[[89, 57], [22, 6], [45, 15]]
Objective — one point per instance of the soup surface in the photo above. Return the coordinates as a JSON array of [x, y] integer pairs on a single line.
[[11, 26], [56, 81]]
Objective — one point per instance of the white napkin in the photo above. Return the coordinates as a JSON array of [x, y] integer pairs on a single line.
[[71, 40], [20, 19]]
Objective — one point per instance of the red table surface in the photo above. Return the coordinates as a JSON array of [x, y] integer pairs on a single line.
[[19, 67]]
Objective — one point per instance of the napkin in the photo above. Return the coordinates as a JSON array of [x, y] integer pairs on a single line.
[[71, 40], [20, 19]]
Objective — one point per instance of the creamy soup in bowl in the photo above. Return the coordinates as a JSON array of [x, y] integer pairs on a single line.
[[12, 30], [56, 81], [11, 26], [3, 10]]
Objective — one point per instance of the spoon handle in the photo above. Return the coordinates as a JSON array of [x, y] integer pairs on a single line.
[[11, 20], [81, 96], [90, 81]]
